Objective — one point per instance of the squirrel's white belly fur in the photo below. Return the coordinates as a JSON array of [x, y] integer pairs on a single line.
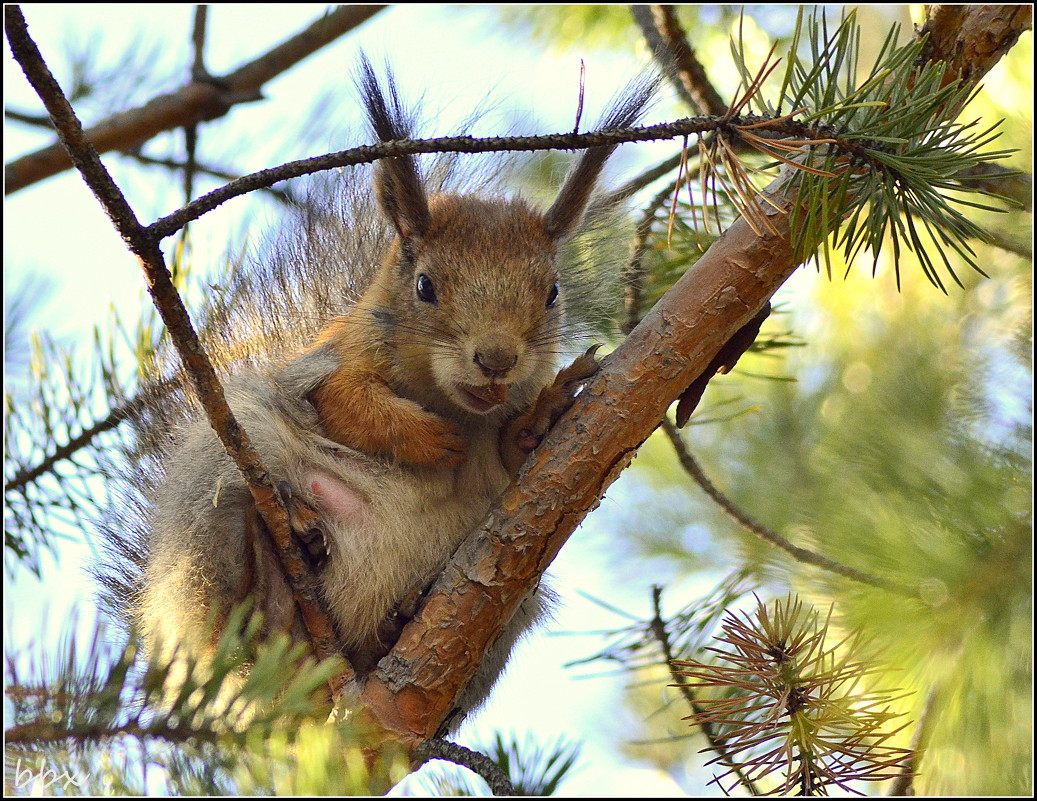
[[389, 528]]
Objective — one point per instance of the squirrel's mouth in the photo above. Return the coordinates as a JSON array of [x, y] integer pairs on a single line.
[[483, 398]]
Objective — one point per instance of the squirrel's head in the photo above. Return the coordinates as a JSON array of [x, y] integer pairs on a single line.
[[471, 287], [475, 301]]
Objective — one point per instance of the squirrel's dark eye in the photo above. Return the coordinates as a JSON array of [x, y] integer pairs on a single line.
[[553, 297], [426, 291]]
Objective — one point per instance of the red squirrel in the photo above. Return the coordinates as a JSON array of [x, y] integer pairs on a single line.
[[400, 422]]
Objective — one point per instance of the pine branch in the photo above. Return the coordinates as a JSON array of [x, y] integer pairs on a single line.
[[693, 469], [787, 703], [76, 708], [199, 101], [46, 465]]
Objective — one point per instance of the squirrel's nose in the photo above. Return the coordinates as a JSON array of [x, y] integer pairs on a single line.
[[495, 362]]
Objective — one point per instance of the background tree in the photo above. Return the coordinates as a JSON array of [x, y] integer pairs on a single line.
[[897, 452]]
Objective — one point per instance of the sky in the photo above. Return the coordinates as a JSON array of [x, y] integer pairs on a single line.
[[56, 232]]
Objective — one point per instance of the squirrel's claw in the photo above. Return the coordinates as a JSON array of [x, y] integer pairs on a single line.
[[527, 431], [307, 526]]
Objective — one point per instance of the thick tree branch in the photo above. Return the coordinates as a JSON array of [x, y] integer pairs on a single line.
[[971, 39], [199, 101], [413, 688]]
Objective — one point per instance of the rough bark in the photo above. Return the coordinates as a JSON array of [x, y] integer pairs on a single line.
[[413, 688]]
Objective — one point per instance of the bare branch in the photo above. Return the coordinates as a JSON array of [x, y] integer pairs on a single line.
[[197, 102], [693, 469], [478, 763], [366, 154], [669, 44]]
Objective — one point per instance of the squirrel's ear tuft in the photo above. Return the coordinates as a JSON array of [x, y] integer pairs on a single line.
[[566, 213], [397, 182]]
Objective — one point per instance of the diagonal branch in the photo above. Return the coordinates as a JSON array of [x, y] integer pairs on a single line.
[[199, 101], [144, 245], [503, 559]]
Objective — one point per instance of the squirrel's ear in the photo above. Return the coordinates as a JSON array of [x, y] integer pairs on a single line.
[[397, 182], [565, 214]]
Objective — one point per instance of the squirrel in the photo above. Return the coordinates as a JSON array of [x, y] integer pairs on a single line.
[[400, 421]]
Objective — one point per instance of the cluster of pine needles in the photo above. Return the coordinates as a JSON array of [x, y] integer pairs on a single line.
[[780, 703], [874, 156]]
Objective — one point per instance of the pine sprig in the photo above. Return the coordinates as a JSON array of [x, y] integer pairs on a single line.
[[784, 703], [888, 166], [267, 735]]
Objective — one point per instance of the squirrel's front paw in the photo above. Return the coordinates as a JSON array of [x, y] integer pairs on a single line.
[[527, 431], [431, 442]]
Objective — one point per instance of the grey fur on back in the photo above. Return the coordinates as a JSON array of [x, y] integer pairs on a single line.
[[180, 550]]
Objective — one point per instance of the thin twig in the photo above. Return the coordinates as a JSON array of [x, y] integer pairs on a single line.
[[691, 466], [62, 452], [198, 73], [639, 182], [662, 636], [480, 764], [904, 784], [367, 154], [633, 275], [201, 18], [281, 195]]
